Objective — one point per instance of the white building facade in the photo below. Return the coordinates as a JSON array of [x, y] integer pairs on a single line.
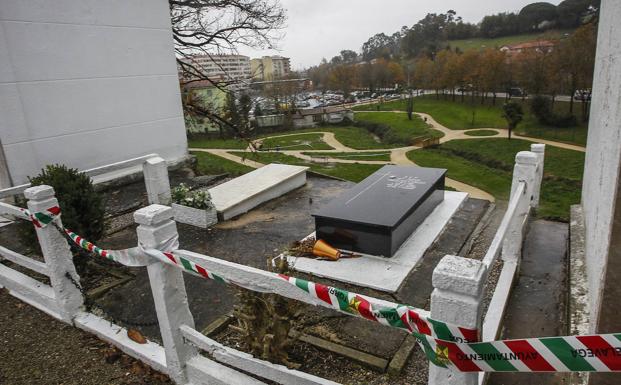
[[222, 67], [269, 68], [86, 83]]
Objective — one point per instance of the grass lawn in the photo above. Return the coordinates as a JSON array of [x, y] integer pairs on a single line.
[[400, 124], [488, 163], [352, 172], [206, 142], [353, 137], [479, 43], [477, 175], [378, 156], [297, 142], [209, 164], [481, 133], [460, 116]]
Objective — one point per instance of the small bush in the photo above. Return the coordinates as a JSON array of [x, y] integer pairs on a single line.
[[82, 207], [541, 107]]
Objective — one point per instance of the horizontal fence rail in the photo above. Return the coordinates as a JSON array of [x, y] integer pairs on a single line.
[[9, 211], [16, 190], [277, 373], [496, 246]]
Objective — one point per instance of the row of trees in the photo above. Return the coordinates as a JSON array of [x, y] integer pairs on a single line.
[[563, 70], [379, 73], [432, 33], [539, 17]]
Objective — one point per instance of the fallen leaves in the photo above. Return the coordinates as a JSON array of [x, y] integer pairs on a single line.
[[136, 336]]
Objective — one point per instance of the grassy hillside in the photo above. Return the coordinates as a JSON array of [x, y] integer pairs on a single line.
[[478, 43], [488, 164], [459, 116]]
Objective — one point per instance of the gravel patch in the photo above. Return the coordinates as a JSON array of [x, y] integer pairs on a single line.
[[36, 349]]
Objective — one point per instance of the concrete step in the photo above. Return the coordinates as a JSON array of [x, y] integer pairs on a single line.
[[538, 302], [246, 192]]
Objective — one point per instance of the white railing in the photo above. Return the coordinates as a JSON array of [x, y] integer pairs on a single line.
[[459, 282], [456, 299], [16, 190], [61, 298]]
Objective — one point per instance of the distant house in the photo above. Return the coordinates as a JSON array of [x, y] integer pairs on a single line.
[[541, 46], [309, 117], [211, 97], [314, 116]]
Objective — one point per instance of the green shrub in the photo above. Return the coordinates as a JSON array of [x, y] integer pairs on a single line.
[[82, 207], [541, 107], [385, 133]]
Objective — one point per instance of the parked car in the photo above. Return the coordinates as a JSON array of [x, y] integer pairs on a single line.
[[516, 91], [584, 95]]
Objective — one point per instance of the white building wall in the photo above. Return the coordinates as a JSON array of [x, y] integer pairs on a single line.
[[601, 177], [87, 83]]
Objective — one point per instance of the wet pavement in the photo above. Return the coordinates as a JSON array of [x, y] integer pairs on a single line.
[[537, 305], [265, 232]]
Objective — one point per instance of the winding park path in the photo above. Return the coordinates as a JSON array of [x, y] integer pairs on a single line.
[[397, 155]]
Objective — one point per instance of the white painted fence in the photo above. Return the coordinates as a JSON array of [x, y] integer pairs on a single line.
[[458, 284]]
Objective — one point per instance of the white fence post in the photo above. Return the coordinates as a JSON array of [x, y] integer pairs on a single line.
[[457, 297], [540, 151], [56, 253], [156, 180], [525, 171], [155, 230]]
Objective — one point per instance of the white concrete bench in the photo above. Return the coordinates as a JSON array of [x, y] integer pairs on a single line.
[[246, 192]]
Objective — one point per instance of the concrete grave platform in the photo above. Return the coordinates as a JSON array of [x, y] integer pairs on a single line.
[[386, 274], [246, 192]]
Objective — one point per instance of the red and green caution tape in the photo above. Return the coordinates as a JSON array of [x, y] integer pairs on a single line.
[[594, 353], [42, 219], [399, 316], [445, 345]]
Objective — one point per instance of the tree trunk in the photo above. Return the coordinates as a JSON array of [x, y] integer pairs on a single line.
[[494, 98], [462, 96], [510, 130]]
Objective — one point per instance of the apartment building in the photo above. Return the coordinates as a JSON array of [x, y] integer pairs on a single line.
[[270, 68], [222, 67]]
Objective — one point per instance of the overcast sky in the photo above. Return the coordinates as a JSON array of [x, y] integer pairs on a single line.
[[322, 28]]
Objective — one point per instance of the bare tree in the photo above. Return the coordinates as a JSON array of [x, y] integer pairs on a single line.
[[212, 27]]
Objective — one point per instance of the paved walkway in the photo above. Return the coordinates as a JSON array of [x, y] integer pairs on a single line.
[[397, 155], [450, 134]]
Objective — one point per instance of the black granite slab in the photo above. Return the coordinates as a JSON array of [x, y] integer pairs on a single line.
[[377, 215]]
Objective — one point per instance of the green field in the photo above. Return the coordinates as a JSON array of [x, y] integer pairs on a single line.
[[480, 43], [357, 138], [376, 156], [403, 129], [481, 133], [297, 142], [352, 172], [488, 164], [472, 114], [215, 143], [209, 164]]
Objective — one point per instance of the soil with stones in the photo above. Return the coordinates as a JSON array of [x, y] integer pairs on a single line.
[[36, 349]]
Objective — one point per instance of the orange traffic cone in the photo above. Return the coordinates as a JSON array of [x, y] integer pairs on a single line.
[[322, 249]]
